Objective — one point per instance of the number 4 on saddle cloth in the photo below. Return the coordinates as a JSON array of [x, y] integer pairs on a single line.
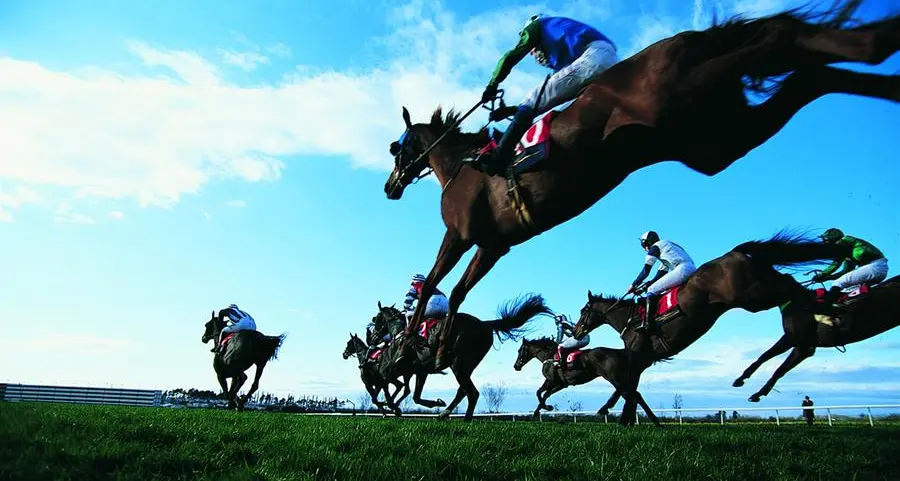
[[666, 309], [533, 148]]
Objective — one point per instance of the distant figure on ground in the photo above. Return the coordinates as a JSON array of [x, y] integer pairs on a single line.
[[809, 414]]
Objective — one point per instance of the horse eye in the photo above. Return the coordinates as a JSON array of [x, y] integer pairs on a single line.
[[395, 148]]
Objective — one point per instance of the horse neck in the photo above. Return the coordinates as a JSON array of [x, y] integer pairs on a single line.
[[361, 348], [543, 351], [619, 316], [446, 159]]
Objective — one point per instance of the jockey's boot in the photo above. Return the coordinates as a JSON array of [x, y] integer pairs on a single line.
[[562, 359], [650, 307], [495, 162]]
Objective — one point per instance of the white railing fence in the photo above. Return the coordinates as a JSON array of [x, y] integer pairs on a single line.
[[679, 413]]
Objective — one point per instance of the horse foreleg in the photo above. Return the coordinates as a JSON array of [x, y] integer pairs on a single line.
[[451, 251], [780, 347], [406, 389], [417, 394], [613, 399], [236, 383], [796, 356], [482, 262], [255, 385]]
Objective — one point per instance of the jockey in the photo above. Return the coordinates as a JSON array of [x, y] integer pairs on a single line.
[[241, 321], [577, 54], [866, 264], [438, 305], [383, 342], [676, 267], [566, 341]]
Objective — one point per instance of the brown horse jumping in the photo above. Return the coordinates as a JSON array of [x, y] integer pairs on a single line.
[[876, 312], [745, 278], [610, 364], [682, 98]]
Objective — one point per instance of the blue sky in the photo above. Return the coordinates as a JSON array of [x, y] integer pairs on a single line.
[[161, 160]]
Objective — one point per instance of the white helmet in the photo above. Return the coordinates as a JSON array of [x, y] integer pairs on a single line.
[[533, 18]]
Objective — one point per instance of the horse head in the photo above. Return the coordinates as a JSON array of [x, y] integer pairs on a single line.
[[211, 328], [593, 315], [353, 345]]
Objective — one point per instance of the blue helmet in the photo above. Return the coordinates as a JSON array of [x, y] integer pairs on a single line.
[[418, 278], [533, 18]]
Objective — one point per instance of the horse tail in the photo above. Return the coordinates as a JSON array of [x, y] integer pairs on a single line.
[[791, 250], [514, 314], [271, 344]]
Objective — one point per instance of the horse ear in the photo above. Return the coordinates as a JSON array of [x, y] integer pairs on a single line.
[[406, 118], [213, 315], [590, 294], [379, 306]]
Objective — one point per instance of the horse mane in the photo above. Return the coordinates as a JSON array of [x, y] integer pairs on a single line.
[[447, 123], [736, 28], [541, 340], [610, 299]]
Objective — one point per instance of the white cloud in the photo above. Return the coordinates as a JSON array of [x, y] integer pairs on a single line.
[[206, 216], [279, 49], [117, 215], [15, 198], [246, 61], [64, 214], [236, 203]]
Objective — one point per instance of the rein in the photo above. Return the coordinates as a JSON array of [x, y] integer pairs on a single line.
[[498, 97]]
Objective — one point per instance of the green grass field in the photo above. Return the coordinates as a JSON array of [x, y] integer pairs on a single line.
[[61, 442]]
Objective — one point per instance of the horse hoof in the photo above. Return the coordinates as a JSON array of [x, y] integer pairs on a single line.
[[737, 383], [549, 408], [603, 412], [440, 403], [754, 398]]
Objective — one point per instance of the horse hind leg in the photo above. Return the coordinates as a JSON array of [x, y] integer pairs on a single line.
[[795, 41], [760, 123], [779, 348], [796, 356]]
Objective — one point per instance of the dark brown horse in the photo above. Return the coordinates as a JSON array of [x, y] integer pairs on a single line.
[[475, 337], [744, 278], [372, 378], [870, 315], [682, 99], [244, 349], [610, 364]]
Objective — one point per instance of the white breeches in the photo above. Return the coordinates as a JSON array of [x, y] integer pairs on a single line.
[[565, 84], [245, 324], [572, 343], [875, 271], [438, 306], [675, 277]]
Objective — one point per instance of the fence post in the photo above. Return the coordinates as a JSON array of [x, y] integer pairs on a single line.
[[680, 421], [605, 419], [777, 419], [828, 410], [869, 410], [574, 418], [722, 417], [540, 416]]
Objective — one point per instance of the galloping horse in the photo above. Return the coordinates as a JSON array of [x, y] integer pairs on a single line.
[[745, 278], [682, 99], [476, 338], [244, 349], [610, 364], [372, 378], [869, 315]]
